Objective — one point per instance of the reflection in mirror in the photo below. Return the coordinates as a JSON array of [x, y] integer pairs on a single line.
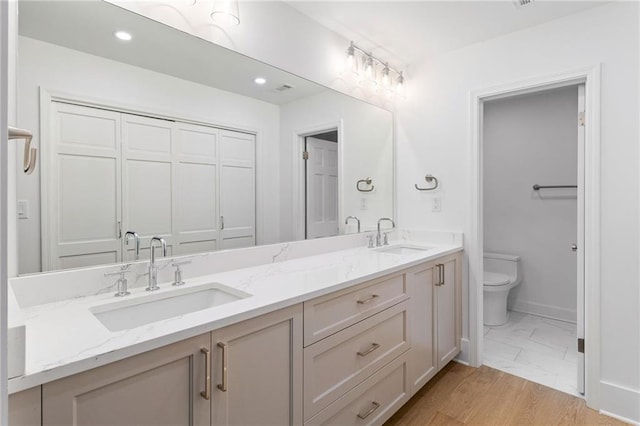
[[169, 135]]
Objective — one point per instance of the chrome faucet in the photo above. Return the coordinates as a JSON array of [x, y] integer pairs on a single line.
[[378, 236], [136, 239], [153, 269], [346, 222]]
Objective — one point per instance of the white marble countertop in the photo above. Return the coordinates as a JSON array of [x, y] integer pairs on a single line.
[[65, 338]]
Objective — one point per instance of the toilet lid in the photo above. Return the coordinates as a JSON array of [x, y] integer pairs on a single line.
[[494, 278]]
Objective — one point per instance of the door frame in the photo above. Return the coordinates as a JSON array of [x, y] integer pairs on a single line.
[[299, 187], [590, 77]]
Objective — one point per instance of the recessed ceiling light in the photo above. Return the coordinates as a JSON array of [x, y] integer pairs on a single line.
[[260, 80], [123, 35]]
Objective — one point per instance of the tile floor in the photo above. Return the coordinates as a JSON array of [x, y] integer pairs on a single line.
[[539, 349]]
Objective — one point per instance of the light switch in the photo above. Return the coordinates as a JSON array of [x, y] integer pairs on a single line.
[[23, 209], [436, 205]]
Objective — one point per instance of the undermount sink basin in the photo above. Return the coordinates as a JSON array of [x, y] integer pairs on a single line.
[[125, 314], [405, 250]]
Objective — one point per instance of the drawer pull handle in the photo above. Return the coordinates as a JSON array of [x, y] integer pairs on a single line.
[[206, 394], [376, 405], [223, 385], [367, 300], [373, 347]]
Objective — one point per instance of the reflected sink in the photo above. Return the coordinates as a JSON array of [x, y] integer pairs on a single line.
[[125, 314], [404, 250]]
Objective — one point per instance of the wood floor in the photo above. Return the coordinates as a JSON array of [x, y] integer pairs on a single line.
[[461, 395]]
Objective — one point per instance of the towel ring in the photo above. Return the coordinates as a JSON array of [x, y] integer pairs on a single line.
[[366, 181], [429, 179], [30, 153]]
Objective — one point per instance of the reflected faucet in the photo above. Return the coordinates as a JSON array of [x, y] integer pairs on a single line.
[[378, 236], [136, 239], [346, 222], [153, 269]]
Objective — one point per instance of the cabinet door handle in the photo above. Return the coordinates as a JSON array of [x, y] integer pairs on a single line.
[[223, 385], [376, 405], [373, 347], [367, 300], [206, 394], [221, 222], [442, 274]]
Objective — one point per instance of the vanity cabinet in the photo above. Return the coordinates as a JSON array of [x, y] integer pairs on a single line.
[[255, 370], [436, 316], [159, 387]]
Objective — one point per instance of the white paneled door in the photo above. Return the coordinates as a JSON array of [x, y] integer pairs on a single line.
[[111, 172], [83, 216], [237, 188], [322, 188]]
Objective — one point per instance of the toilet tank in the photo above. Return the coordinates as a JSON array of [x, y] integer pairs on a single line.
[[504, 264]]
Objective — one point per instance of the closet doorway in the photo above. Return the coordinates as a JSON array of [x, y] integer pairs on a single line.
[[533, 206]]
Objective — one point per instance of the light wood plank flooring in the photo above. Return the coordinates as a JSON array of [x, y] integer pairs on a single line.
[[461, 395]]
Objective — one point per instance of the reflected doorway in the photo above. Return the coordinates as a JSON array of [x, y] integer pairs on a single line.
[[321, 192]]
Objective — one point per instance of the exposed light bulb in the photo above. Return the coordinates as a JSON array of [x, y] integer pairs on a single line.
[[386, 79], [400, 85]]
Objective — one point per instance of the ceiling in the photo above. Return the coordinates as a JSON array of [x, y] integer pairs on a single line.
[[88, 26], [407, 32]]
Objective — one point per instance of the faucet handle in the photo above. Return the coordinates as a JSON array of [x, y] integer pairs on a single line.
[[121, 283], [370, 238], [385, 241], [178, 273]]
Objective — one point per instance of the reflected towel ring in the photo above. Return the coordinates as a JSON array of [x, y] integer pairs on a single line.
[[366, 181], [429, 179]]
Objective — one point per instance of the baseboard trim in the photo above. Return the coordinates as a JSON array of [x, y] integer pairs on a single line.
[[548, 311], [463, 356], [620, 402]]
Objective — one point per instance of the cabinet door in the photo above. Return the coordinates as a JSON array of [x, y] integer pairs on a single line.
[[257, 371], [237, 189], [420, 281], [160, 387], [448, 310]]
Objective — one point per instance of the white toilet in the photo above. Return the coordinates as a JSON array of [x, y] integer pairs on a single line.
[[502, 272]]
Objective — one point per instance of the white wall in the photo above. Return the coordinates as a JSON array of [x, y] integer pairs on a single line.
[[366, 149], [86, 76], [433, 129], [532, 139]]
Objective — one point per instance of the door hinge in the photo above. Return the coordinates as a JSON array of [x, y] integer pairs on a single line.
[[581, 119], [581, 346], [305, 155]]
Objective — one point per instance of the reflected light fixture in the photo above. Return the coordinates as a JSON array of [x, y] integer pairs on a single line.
[[123, 35], [225, 13], [370, 67]]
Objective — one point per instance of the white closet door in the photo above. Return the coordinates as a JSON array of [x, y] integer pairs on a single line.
[[322, 188], [197, 189], [82, 189], [148, 170], [237, 189]]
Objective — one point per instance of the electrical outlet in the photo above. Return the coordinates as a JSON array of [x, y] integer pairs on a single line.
[[22, 208], [364, 205], [436, 204]]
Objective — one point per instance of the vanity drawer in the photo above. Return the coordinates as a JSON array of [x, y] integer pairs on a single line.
[[329, 314], [337, 364], [373, 401]]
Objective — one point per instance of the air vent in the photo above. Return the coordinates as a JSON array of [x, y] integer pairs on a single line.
[[284, 87], [521, 3]]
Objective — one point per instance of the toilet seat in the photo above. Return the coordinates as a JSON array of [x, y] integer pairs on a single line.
[[494, 279]]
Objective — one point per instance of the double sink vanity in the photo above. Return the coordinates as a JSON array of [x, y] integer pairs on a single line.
[[310, 332]]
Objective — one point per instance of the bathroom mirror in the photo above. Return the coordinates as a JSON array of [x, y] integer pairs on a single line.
[[167, 134]]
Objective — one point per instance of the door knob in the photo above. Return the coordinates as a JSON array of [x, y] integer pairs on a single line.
[[574, 247]]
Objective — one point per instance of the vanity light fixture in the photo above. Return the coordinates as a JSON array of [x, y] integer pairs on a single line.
[[358, 59], [225, 13], [260, 80], [123, 35]]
